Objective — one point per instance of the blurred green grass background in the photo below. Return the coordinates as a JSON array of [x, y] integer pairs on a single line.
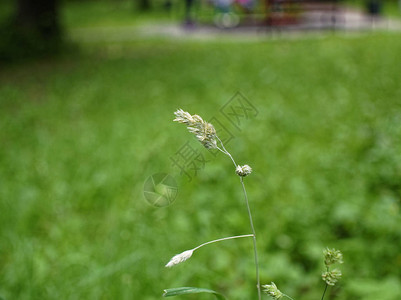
[[81, 133]]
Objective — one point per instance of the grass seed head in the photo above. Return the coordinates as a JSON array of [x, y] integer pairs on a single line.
[[179, 258], [331, 277], [204, 131], [272, 290], [332, 256], [243, 170]]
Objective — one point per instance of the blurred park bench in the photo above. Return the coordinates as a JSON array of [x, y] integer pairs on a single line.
[[294, 12]]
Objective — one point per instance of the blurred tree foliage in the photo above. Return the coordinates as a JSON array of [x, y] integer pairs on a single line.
[[32, 30], [143, 5]]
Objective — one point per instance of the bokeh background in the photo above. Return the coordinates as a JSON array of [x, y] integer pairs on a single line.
[[86, 118]]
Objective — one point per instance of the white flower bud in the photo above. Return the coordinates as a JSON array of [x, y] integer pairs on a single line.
[[243, 170]]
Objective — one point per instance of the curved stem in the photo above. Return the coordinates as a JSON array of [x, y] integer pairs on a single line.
[[225, 151], [254, 238], [223, 239]]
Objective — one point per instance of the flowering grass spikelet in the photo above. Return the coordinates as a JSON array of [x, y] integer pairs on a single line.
[[243, 170], [183, 117], [272, 290], [332, 256], [204, 131], [179, 258], [331, 277]]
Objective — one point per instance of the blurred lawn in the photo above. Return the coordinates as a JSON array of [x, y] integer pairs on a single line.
[[80, 135]]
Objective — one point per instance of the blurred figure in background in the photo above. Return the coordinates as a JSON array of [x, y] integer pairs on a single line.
[[225, 17], [189, 22], [374, 9]]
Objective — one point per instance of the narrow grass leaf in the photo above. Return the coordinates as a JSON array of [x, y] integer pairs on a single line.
[[190, 290]]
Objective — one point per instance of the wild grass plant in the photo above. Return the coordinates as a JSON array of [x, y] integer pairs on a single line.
[[330, 277], [206, 134], [76, 151]]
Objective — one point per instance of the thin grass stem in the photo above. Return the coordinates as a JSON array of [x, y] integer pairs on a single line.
[[324, 292], [288, 296], [255, 251], [224, 150], [223, 239], [325, 288]]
